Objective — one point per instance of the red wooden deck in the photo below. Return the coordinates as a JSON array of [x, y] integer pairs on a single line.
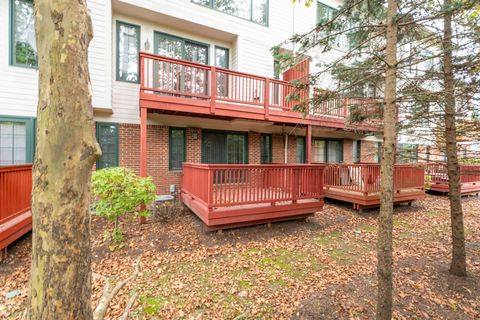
[[360, 184], [183, 87], [469, 178], [225, 196], [15, 191]]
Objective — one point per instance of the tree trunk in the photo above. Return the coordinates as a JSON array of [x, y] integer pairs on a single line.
[[385, 220], [459, 265], [60, 284]]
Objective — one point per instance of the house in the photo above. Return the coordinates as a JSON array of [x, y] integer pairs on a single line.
[[183, 87], [246, 123]]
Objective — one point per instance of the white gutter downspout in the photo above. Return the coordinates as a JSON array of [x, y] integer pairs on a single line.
[[286, 148]]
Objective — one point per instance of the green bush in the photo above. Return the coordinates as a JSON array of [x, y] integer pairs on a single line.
[[119, 191]]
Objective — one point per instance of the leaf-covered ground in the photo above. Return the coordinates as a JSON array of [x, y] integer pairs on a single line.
[[320, 269]]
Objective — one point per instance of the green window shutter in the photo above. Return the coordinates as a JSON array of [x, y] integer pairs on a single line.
[[128, 48], [23, 48], [107, 137], [176, 148], [300, 149], [266, 148], [17, 140]]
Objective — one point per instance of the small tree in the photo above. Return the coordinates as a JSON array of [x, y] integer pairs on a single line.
[[118, 191]]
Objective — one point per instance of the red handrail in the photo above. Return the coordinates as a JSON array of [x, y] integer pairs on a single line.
[[438, 173], [15, 190], [179, 78], [366, 177], [226, 185]]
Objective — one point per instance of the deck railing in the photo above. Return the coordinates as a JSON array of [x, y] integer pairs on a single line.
[[365, 178], [15, 190], [184, 79], [439, 174], [219, 185]]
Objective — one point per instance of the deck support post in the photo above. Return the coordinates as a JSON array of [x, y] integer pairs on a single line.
[[143, 148], [309, 144]]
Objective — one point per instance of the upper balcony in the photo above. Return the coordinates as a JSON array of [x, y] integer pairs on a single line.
[[182, 87]]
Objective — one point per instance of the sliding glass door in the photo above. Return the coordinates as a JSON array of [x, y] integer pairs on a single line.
[[224, 147]]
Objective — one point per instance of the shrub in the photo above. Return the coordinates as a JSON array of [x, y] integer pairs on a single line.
[[119, 191]]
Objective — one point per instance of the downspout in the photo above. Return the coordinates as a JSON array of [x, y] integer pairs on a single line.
[[286, 148]]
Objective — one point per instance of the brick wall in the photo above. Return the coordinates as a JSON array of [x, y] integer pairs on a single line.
[[292, 149], [278, 151], [253, 147], [347, 151], [157, 153]]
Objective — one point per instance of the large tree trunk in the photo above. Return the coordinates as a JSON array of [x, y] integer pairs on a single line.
[[385, 220], [60, 284], [459, 265]]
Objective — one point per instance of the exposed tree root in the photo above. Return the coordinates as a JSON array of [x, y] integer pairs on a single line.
[[110, 291]]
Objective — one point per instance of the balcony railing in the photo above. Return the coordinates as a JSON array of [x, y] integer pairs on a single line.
[[172, 81]]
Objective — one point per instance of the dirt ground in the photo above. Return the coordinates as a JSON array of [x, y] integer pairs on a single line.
[[323, 268]]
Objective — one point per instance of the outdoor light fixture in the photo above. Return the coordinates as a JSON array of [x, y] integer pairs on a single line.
[[147, 45], [195, 134]]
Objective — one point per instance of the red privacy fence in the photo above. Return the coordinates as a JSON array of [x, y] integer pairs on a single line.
[[15, 193]]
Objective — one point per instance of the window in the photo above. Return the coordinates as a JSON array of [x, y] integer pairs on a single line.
[[325, 13], [319, 150], [221, 57], [23, 45], [17, 140], [221, 61], [107, 137], [252, 10], [327, 151], [357, 151], [224, 147], [176, 148], [407, 153], [128, 47], [300, 149], [265, 148], [180, 48]]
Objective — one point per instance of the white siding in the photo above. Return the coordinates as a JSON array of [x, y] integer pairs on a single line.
[[19, 86]]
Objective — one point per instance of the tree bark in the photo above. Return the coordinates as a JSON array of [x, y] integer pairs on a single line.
[[458, 265], [60, 283], [385, 220]]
